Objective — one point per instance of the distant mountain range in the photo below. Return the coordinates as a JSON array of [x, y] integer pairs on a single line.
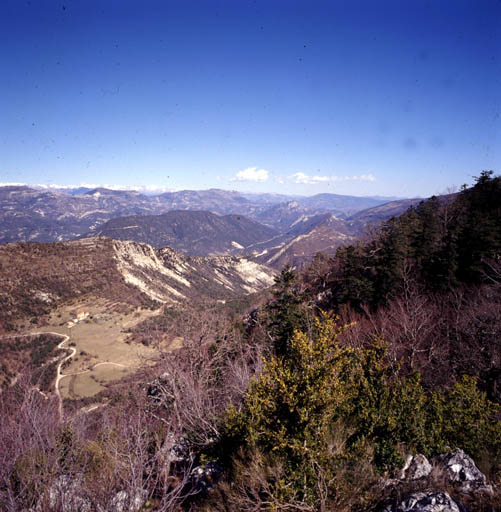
[[273, 228], [298, 237], [28, 214], [347, 205], [47, 215], [197, 233]]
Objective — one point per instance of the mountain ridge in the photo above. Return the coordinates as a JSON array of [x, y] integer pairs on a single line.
[[199, 223], [47, 215], [196, 232], [36, 277]]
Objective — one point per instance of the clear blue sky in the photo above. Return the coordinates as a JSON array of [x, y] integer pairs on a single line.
[[354, 97]]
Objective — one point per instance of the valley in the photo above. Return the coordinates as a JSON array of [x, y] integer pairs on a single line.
[[102, 352], [198, 223], [124, 272], [250, 256], [96, 291], [99, 349], [136, 357]]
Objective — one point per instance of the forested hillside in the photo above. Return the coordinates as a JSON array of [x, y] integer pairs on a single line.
[[197, 233], [428, 280], [440, 244]]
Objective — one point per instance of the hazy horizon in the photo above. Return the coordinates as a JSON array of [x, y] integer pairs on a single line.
[[367, 98], [154, 190]]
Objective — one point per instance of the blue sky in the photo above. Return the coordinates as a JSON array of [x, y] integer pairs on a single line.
[[353, 97]]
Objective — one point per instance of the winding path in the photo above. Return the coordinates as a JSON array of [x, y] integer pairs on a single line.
[[59, 375]]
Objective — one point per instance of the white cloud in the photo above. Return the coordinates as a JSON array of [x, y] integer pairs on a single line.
[[252, 174], [300, 178]]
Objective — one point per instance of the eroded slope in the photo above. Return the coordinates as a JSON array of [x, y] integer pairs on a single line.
[[36, 277]]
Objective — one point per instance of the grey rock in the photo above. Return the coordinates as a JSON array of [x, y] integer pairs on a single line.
[[461, 470], [416, 467], [427, 502], [203, 478], [178, 450], [65, 494], [159, 390]]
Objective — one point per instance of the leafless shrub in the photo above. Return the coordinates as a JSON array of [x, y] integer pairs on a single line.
[[442, 336], [111, 459], [28, 421], [199, 381]]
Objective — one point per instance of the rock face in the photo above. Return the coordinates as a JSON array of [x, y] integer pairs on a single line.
[[297, 250], [36, 277], [123, 501], [427, 502], [462, 471], [65, 495], [68, 495], [168, 276], [459, 471], [416, 467]]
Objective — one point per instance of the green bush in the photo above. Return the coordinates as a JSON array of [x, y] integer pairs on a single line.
[[319, 391], [470, 420]]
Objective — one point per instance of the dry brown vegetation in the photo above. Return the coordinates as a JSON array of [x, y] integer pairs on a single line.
[[129, 441], [441, 336], [279, 406], [35, 278], [37, 353]]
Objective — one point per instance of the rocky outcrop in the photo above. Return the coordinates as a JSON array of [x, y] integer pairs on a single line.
[[168, 276], [416, 467], [181, 460], [35, 278], [203, 478], [67, 494], [462, 471], [123, 501], [454, 470], [158, 390], [457, 467], [427, 502]]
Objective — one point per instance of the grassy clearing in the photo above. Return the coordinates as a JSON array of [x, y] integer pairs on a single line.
[[85, 385], [91, 383], [101, 338]]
